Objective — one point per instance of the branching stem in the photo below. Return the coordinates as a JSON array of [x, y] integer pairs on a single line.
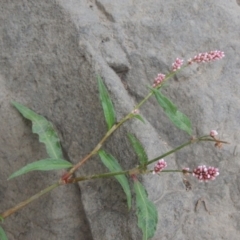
[[21, 205], [115, 127], [134, 171]]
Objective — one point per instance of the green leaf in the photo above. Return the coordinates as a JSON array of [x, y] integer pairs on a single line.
[[164, 102], [146, 211], [112, 164], [1, 218], [42, 165], [138, 148], [139, 117], [44, 129], [3, 235], [178, 118], [107, 105]]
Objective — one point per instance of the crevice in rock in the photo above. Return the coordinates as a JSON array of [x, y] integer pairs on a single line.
[[102, 9], [86, 227]]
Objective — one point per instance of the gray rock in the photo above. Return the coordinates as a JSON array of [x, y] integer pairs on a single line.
[[50, 54]]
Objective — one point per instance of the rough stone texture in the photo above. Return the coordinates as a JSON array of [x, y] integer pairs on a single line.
[[50, 53]]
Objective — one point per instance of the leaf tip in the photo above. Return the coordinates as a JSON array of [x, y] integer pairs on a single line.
[[14, 103], [10, 177]]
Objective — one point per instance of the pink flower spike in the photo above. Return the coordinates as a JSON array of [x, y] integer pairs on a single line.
[[177, 64], [207, 57], [160, 165], [213, 133], [158, 79], [204, 174]]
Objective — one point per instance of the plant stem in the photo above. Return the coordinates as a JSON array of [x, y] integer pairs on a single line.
[[136, 170], [172, 151], [115, 127], [112, 174], [19, 206], [171, 74], [98, 146], [102, 175], [167, 171], [200, 139]]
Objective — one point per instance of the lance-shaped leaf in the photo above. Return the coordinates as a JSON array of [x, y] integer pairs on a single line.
[[107, 105], [146, 211], [112, 164], [179, 119], [139, 117], [43, 165], [138, 148], [3, 235], [44, 129]]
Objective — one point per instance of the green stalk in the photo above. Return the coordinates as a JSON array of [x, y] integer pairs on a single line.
[[170, 75], [98, 146], [21, 205], [102, 175], [200, 139], [115, 127], [113, 174], [136, 170], [170, 152]]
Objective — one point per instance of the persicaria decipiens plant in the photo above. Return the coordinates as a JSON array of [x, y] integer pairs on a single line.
[[146, 211]]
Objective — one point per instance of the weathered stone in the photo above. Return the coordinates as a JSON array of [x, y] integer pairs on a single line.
[[50, 54]]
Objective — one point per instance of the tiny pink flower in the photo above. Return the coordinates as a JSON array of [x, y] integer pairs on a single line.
[[177, 64], [213, 133], [135, 111], [204, 174], [160, 77], [207, 57], [160, 165]]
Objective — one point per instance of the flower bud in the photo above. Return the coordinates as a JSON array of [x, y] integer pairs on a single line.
[[213, 133], [160, 165]]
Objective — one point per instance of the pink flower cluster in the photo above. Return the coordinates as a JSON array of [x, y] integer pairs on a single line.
[[205, 174], [213, 133], [207, 57], [160, 77], [177, 64], [160, 165], [200, 58]]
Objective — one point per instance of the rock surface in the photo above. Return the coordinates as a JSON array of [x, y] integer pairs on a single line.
[[50, 54]]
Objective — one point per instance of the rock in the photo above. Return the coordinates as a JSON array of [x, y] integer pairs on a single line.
[[50, 55]]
